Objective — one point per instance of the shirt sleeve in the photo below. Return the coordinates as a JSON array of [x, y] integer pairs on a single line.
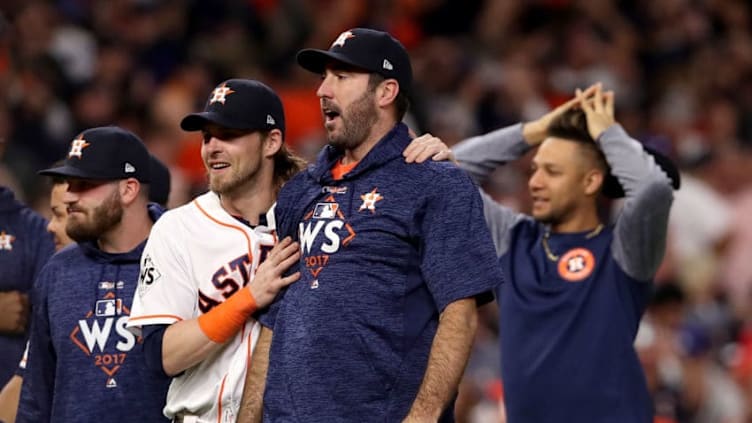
[[39, 377], [458, 256], [482, 155], [641, 228], [166, 290], [153, 339]]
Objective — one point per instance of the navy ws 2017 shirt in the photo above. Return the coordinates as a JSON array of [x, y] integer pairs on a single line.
[[384, 251], [568, 325], [83, 364], [25, 247]]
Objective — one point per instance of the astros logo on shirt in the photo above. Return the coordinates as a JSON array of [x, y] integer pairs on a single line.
[[576, 264], [77, 147], [369, 200], [6, 241]]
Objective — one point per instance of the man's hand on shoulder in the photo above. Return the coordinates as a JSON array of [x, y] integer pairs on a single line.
[[427, 147]]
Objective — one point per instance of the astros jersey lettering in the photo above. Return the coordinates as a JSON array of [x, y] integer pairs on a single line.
[[196, 257]]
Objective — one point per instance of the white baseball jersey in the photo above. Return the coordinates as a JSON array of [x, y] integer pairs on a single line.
[[198, 255]]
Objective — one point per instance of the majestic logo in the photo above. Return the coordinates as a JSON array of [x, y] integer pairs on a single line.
[[369, 200], [93, 332], [576, 264], [6, 241], [219, 94], [340, 41], [333, 190], [106, 285], [77, 147]]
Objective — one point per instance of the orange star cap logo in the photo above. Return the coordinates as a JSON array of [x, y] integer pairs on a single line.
[[77, 147], [220, 93], [340, 41]]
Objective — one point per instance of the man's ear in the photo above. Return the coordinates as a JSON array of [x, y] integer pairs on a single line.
[[593, 181], [387, 92], [129, 190], [272, 143]]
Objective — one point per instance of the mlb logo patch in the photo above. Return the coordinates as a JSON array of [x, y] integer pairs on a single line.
[[325, 210], [108, 308]]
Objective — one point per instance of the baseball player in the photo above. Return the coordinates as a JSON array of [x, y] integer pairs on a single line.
[[56, 227], [159, 187], [24, 248], [574, 289], [83, 365], [209, 264], [380, 325]]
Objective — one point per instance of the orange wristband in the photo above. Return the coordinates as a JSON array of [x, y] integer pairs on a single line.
[[225, 320]]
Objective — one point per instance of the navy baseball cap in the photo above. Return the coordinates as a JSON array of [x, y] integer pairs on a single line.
[[367, 49], [105, 153], [159, 187], [239, 104], [613, 189]]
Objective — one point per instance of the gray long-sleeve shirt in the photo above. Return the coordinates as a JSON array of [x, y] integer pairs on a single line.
[[567, 322], [640, 231]]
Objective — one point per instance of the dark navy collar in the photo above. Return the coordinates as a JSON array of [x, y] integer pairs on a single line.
[[390, 146], [262, 221]]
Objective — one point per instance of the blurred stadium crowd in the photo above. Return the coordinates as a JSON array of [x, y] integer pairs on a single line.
[[681, 71]]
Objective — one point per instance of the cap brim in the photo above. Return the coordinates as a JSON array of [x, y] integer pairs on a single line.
[[197, 121], [315, 60], [72, 172]]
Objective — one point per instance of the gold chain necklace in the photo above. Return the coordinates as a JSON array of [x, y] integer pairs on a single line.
[[553, 257]]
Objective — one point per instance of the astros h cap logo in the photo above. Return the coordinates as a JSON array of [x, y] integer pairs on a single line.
[[106, 153], [368, 49], [243, 104]]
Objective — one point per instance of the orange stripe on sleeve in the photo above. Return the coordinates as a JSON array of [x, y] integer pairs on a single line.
[[157, 316]]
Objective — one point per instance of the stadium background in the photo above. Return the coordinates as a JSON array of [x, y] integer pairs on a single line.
[[681, 70]]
